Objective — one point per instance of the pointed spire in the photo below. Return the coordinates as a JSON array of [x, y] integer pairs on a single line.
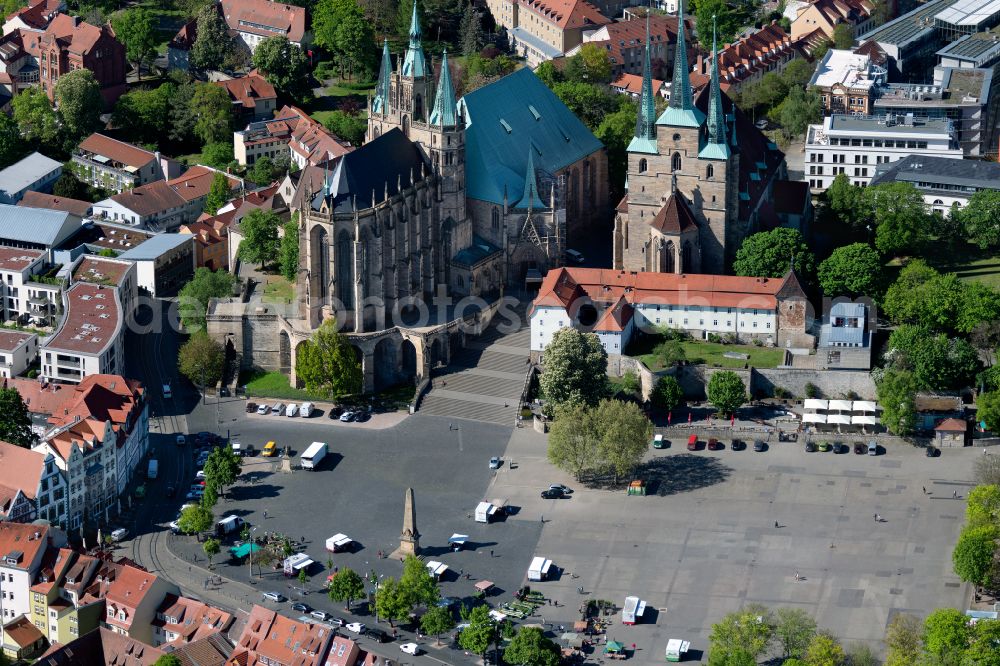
[[644, 140], [381, 102], [530, 198], [716, 146], [415, 65], [681, 111], [445, 111]]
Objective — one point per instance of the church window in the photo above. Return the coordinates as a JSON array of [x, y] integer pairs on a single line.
[[677, 137], [713, 198], [710, 171], [675, 162], [642, 165], [496, 218]]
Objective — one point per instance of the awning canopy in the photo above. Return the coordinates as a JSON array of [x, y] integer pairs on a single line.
[[842, 419], [864, 420], [483, 585], [813, 403], [841, 405], [814, 418], [243, 550], [458, 538], [864, 406]]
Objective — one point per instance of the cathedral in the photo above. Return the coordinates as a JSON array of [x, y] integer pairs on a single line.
[[472, 194], [699, 177]]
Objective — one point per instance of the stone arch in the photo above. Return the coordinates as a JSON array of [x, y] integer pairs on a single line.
[[675, 162], [525, 257], [345, 269], [436, 353], [319, 266], [643, 165], [386, 362], [409, 366], [284, 352]]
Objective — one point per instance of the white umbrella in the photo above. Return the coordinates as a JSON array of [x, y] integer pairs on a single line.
[[458, 538]]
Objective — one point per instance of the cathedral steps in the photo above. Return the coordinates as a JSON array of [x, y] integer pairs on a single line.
[[484, 380]]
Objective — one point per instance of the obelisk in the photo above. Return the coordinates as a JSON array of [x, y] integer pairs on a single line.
[[409, 539]]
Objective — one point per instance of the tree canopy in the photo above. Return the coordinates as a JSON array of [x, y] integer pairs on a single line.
[[741, 637], [212, 40], [611, 438], [134, 28], [203, 286], [770, 254], [851, 270], [288, 254], [260, 237], [726, 391], [78, 95], [15, 421], [902, 224], [436, 621], [938, 363], [903, 641], [667, 393], [201, 359], [897, 391], [973, 554], [346, 586], [980, 218], [327, 363], [285, 66], [921, 295], [212, 111], [143, 115], [11, 145], [575, 368], [530, 647], [195, 519]]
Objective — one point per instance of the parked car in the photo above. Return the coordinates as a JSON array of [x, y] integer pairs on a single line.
[[693, 443], [932, 452], [301, 607], [362, 416], [660, 443], [552, 493], [860, 449], [292, 409], [270, 449], [759, 446], [276, 597], [119, 534], [335, 411], [738, 445], [714, 444], [824, 446], [355, 628], [840, 447], [347, 416], [810, 447], [251, 407], [263, 409], [872, 448], [410, 648], [495, 462], [175, 526], [377, 635], [200, 475], [278, 408], [558, 486], [181, 440], [322, 616]]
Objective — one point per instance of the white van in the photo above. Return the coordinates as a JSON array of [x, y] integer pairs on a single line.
[[306, 410], [292, 409]]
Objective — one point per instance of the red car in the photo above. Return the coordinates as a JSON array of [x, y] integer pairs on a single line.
[[714, 444], [693, 443]]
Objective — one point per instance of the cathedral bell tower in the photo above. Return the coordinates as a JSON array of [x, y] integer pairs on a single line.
[[447, 147], [412, 84]]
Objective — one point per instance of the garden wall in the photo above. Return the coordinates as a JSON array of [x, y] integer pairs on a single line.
[[762, 382]]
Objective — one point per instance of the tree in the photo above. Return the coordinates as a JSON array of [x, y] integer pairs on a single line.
[[288, 256], [667, 394], [168, 660], [355, 45], [588, 102], [182, 115], [69, 186], [988, 409], [615, 132], [78, 95], [303, 577], [436, 621], [624, 433], [842, 202], [219, 155], [843, 36], [629, 384], [195, 295], [980, 217], [134, 28], [861, 654], [11, 145], [212, 40], [212, 112], [979, 304], [210, 496], [793, 630], [222, 468], [211, 548], [195, 519], [670, 352], [36, 118], [261, 171], [797, 111], [284, 65], [905, 301], [973, 554], [903, 641], [327, 363], [391, 603], [530, 647], [549, 74], [937, 362], [901, 222], [15, 421], [741, 634], [984, 639], [798, 73], [346, 586], [417, 584], [575, 368], [824, 650], [946, 634], [479, 635], [470, 31], [350, 127], [770, 253], [591, 65], [144, 115], [728, 18], [201, 359], [573, 444], [983, 506], [987, 469], [726, 391], [218, 195], [851, 270], [897, 395]]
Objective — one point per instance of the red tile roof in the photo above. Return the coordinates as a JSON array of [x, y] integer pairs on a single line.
[[248, 89], [92, 320], [566, 14], [38, 14], [150, 198], [952, 425], [20, 468], [282, 18], [102, 647], [52, 202], [39, 399], [119, 151], [632, 83], [757, 52], [309, 138], [190, 619], [675, 217], [196, 183], [632, 34], [23, 632], [282, 640], [11, 340], [25, 539]]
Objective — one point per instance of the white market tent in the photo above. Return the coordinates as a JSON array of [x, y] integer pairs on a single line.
[[813, 403], [864, 420], [814, 418], [864, 406], [841, 405], [842, 419]]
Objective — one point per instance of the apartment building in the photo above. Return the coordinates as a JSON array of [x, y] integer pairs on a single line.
[[253, 21], [848, 81], [826, 15], [34, 173], [180, 620], [131, 599], [17, 268], [22, 640], [856, 145], [115, 165], [18, 350], [292, 132], [748, 59], [211, 243], [34, 485], [541, 30], [624, 42], [164, 263], [34, 17], [22, 548], [269, 638], [253, 98]]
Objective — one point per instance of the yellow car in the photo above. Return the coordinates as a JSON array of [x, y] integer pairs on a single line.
[[270, 449]]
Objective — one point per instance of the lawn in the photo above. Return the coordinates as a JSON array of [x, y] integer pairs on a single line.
[[709, 353], [278, 290], [969, 263], [274, 385]]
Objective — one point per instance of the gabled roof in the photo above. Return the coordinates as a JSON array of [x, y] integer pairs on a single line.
[[952, 425], [281, 640], [35, 226], [566, 14], [675, 217], [212, 650], [37, 14], [52, 202], [24, 172], [502, 118], [22, 632], [248, 89], [119, 151], [265, 18], [626, 34], [21, 468], [616, 318], [102, 647]]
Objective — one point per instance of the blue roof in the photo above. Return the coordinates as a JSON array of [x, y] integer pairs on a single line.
[[36, 226], [504, 117], [155, 247], [481, 249]]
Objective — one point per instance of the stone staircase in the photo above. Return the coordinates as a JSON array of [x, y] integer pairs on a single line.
[[482, 378]]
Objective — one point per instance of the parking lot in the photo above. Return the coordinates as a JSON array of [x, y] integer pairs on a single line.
[[704, 542]]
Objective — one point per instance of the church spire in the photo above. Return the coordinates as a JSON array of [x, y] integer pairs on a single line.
[[381, 102], [445, 111], [716, 145], [530, 199], [681, 111], [415, 65], [644, 140]]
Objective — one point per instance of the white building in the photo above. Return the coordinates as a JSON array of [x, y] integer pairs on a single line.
[[115, 165], [18, 350], [256, 20], [615, 305], [22, 548], [855, 145], [164, 263], [942, 182], [34, 173]]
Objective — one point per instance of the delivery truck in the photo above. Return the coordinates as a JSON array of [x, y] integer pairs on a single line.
[[228, 525], [539, 569], [633, 610], [313, 455], [677, 649], [485, 512]]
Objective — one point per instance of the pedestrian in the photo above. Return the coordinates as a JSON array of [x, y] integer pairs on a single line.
[[265, 514], [776, 524], [542, 519], [954, 494], [491, 552], [875, 517], [924, 488]]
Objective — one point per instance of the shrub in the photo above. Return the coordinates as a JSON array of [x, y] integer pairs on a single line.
[[812, 391], [731, 339], [781, 393], [757, 342]]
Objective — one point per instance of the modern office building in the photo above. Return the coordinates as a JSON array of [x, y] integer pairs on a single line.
[[942, 182]]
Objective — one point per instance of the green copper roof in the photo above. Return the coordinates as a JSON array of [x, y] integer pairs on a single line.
[[645, 123], [530, 198], [380, 103], [415, 65], [681, 111], [445, 111], [717, 146], [506, 116]]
